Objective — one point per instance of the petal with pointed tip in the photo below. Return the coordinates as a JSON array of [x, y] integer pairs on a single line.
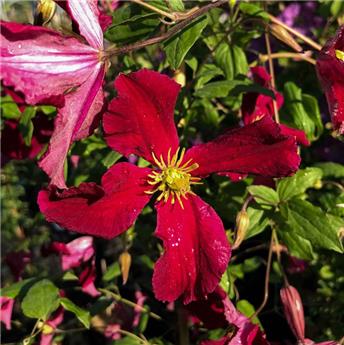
[[196, 250], [258, 148], [86, 14], [104, 211], [140, 119]]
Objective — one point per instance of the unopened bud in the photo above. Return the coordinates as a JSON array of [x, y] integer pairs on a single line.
[[46, 10], [284, 36], [242, 224], [125, 262], [179, 77], [293, 311]]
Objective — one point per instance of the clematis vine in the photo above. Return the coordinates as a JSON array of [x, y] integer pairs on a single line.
[[255, 106], [68, 72], [330, 69], [140, 121]]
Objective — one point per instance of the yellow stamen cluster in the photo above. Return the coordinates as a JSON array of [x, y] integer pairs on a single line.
[[340, 54], [173, 179]]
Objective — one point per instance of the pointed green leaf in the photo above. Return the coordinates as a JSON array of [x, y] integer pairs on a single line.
[[311, 223], [26, 125], [178, 46], [290, 187], [41, 300], [264, 195], [82, 314]]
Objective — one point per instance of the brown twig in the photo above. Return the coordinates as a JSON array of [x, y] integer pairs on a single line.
[[111, 51], [298, 34], [264, 58], [272, 73]]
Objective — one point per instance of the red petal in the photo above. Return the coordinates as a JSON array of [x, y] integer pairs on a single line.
[[103, 211], [86, 14], [196, 250], [255, 105], [73, 122], [42, 63], [140, 119], [258, 148], [87, 279], [298, 134], [330, 70]]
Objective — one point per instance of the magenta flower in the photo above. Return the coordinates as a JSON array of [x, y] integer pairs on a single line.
[[330, 69], [6, 304], [61, 70], [140, 121], [256, 106], [49, 327], [76, 253], [217, 311]]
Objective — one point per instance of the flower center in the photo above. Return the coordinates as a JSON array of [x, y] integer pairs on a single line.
[[339, 54], [173, 179]]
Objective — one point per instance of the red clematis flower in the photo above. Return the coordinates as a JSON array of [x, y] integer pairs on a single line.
[[255, 106], [50, 68], [330, 69], [6, 305], [140, 121]]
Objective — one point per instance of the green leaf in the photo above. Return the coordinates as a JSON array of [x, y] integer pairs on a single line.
[[15, 289], [302, 111], [9, 109], [112, 272], [206, 73], [258, 222], [41, 300], [253, 10], [231, 59], [177, 5], [131, 23], [264, 195], [297, 245], [311, 223], [25, 124], [331, 169], [290, 187], [111, 158], [82, 314], [247, 309], [178, 46]]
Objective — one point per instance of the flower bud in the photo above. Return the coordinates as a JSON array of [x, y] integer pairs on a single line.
[[293, 311], [179, 77], [46, 10], [283, 35], [242, 224], [125, 262]]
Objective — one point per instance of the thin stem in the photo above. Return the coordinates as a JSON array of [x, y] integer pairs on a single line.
[[336, 184], [155, 9], [119, 298], [307, 40], [272, 73], [264, 58], [112, 50], [278, 254], [267, 277]]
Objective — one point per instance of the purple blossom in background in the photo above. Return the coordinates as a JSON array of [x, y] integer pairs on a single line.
[[302, 17]]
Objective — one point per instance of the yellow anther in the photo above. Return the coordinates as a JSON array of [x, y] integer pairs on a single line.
[[174, 180]]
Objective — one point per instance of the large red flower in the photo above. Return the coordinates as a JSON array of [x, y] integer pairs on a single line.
[[50, 68], [330, 68], [255, 105], [140, 121]]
